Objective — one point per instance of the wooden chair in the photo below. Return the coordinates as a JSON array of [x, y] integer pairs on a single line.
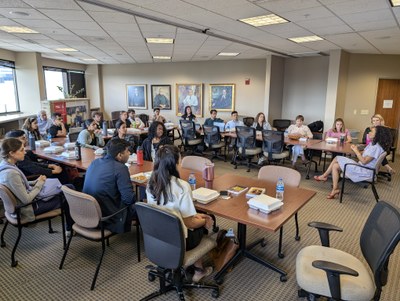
[[291, 178]]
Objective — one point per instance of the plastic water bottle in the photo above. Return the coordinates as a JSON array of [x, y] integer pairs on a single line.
[[192, 181], [105, 128], [32, 144], [49, 137], [280, 189], [286, 133]]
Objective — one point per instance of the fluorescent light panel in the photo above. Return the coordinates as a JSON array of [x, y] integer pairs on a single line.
[[89, 60], [306, 39], [17, 29], [228, 53], [159, 40], [395, 2], [264, 20], [160, 57], [66, 49]]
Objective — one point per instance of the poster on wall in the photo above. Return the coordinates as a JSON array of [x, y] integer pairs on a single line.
[[136, 96], [161, 97], [189, 95], [222, 97]]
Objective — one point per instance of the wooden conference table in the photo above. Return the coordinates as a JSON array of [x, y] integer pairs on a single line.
[[237, 209]]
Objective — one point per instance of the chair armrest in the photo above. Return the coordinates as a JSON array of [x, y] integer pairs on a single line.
[[26, 204], [323, 230], [333, 272], [115, 213]]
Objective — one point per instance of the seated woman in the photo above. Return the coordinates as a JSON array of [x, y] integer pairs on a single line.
[[120, 133], [188, 114], [299, 130], [381, 141], [260, 124], [90, 137], [12, 151], [157, 137], [377, 120], [166, 189], [31, 127], [338, 130]]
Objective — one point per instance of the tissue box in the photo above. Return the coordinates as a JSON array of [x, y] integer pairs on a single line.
[[265, 203]]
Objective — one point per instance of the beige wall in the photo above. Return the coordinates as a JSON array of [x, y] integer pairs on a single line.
[[249, 98], [7, 55], [274, 87]]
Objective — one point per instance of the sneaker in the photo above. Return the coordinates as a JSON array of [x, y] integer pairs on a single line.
[[261, 160], [201, 274]]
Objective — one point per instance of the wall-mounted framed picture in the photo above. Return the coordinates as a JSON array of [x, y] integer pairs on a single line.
[[189, 95], [136, 96], [161, 97], [222, 97]]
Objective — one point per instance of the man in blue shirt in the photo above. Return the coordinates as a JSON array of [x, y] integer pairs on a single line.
[[232, 124], [108, 181]]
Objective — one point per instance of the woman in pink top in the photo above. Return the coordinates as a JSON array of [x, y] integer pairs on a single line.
[[338, 129]]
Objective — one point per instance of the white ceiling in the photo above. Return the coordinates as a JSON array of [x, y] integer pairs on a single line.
[[112, 37]]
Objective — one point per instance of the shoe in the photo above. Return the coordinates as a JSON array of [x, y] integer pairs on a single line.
[[333, 195], [261, 160], [320, 179], [200, 275], [68, 233]]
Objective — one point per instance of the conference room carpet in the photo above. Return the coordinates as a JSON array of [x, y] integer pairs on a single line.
[[121, 277]]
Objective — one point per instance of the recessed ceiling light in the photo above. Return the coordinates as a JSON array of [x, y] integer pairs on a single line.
[[66, 49], [90, 60], [19, 13], [395, 2], [306, 39], [264, 20], [160, 57], [228, 53], [160, 40], [17, 29]]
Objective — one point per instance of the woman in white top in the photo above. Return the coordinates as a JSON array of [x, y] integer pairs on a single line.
[[166, 189], [90, 137], [299, 130]]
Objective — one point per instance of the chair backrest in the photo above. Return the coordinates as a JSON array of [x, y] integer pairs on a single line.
[[9, 199], [84, 209], [145, 118], [211, 135], [115, 115], [248, 121], [194, 163], [393, 132], [188, 129], [246, 137], [272, 173], [379, 238], [73, 136], [273, 142], [281, 124], [163, 237], [379, 162]]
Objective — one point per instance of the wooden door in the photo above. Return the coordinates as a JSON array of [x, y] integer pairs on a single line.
[[389, 90]]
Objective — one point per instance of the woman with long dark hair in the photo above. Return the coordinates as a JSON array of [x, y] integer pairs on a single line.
[[89, 137], [120, 133], [166, 189], [31, 127], [157, 137], [188, 114], [381, 141]]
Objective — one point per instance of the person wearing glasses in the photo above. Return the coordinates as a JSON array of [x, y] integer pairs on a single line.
[[58, 127], [31, 127]]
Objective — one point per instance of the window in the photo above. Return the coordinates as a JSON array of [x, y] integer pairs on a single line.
[[62, 83], [8, 88]]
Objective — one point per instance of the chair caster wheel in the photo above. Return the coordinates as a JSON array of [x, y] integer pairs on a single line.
[[219, 281], [297, 238], [281, 255], [215, 294], [263, 243], [151, 277], [14, 263], [283, 278]]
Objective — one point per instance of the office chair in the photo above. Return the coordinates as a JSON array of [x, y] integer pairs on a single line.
[[325, 271], [291, 178], [248, 121], [246, 145], [281, 124], [164, 243], [73, 136], [189, 139], [145, 119], [274, 146], [213, 140], [89, 223], [12, 212], [374, 173]]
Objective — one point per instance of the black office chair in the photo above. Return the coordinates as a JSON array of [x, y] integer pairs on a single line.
[[189, 138], [73, 136], [164, 243], [145, 119], [274, 146], [246, 146], [325, 271], [115, 115], [213, 140], [248, 121], [281, 124]]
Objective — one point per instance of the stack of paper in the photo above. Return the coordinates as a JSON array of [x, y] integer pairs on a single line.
[[42, 143], [265, 203], [53, 149], [205, 195]]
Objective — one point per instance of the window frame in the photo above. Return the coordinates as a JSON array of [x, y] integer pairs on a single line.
[[11, 64], [68, 77]]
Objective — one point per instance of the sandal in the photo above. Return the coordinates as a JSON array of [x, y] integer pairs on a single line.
[[333, 195], [320, 179]]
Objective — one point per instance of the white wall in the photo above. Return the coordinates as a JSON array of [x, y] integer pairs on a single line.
[[305, 86], [249, 98]]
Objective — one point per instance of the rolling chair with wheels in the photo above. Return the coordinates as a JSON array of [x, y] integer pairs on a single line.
[[246, 146], [329, 272], [213, 140], [281, 124], [189, 139], [248, 121], [164, 243]]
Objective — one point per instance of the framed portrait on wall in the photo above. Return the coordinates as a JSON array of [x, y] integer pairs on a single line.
[[161, 97], [222, 97], [136, 96], [189, 95]]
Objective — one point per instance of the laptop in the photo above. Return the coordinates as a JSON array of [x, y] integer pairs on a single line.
[[221, 126]]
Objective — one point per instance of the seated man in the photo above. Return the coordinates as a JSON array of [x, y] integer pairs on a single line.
[[58, 127], [210, 121], [43, 122], [157, 116], [234, 122], [136, 122], [30, 165], [108, 181]]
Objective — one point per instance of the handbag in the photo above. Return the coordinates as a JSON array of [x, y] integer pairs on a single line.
[[50, 189], [224, 251]]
